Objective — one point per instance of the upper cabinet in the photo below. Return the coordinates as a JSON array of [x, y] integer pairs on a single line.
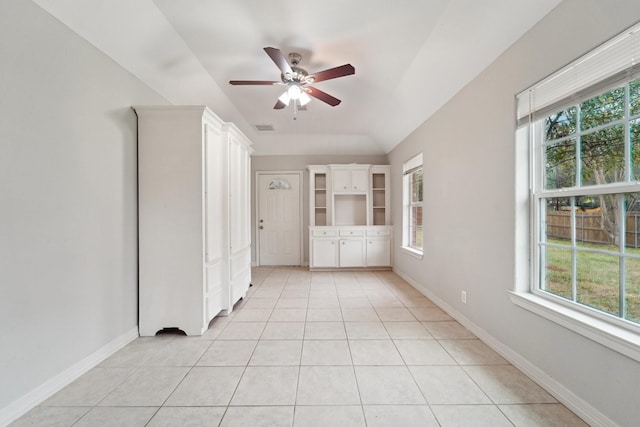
[[349, 195], [350, 178]]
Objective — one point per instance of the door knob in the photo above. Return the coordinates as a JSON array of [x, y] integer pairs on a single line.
[[261, 227]]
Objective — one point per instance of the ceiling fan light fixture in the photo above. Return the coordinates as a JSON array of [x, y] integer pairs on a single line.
[[285, 98], [294, 91], [304, 98]]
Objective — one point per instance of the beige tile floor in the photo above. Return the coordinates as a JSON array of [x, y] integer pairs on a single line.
[[310, 349]]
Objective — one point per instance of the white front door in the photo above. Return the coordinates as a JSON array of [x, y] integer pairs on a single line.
[[279, 218]]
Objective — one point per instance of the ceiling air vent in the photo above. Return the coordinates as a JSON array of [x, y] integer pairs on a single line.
[[264, 128]]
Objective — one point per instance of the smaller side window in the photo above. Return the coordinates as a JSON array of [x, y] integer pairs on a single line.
[[413, 205]]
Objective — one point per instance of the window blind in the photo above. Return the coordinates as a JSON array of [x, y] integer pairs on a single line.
[[412, 164], [613, 61]]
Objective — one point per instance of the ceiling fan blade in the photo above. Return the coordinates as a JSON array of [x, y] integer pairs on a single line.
[[252, 82], [322, 96], [277, 57], [279, 105], [333, 73]]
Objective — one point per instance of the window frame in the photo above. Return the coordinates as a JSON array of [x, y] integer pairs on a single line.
[[616, 333], [410, 168]]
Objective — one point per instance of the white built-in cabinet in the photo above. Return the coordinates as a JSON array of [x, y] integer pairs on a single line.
[[194, 218], [349, 223]]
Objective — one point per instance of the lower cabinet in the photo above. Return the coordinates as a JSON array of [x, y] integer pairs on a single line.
[[324, 252], [352, 252], [378, 252], [350, 247]]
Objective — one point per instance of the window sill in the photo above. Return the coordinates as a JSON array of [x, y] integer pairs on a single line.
[[614, 337], [411, 251]]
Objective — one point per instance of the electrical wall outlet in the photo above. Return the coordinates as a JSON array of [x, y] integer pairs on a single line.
[[463, 297]]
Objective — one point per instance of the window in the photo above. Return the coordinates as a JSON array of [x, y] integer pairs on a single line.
[[588, 203], [412, 201], [582, 125]]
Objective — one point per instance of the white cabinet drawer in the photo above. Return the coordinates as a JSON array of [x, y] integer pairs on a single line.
[[349, 233], [379, 232], [324, 233]]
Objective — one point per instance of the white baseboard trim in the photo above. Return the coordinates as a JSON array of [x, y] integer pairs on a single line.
[[585, 411], [24, 404]]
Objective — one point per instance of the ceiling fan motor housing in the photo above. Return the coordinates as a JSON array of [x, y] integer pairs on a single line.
[[295, 58], [299, 75]]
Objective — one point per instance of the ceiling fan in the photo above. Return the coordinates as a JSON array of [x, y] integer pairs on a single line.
[[298, 80]]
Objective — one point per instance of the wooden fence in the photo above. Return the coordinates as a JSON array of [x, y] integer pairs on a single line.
[[588, 227]]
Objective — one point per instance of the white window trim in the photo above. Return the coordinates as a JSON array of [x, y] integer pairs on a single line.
[[609, 335], [624, 339], [408, 166], [412, 251]]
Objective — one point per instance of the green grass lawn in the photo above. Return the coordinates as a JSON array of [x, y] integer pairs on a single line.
[[597, 278]]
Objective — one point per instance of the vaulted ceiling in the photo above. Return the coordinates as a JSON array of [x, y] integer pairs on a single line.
[[410, 57]]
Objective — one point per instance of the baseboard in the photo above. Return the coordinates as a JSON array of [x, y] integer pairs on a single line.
[[21, 406], [581, 408]]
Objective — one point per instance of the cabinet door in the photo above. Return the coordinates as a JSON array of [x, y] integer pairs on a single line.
[[378, 252], [341, 180], [359, 180], [351, 253], [324, 253], [215, 192]]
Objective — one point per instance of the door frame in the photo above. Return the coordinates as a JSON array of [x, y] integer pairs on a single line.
[[257, 211]]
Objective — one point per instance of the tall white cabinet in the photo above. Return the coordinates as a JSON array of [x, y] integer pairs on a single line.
[[237, 171], [194, 218], [349, 223]]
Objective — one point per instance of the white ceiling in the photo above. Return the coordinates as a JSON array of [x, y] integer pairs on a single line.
[[410, 56]]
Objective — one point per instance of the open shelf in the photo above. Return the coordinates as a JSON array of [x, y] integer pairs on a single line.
[[350, 209], [321, 216], [320, 181], [378, 181], [320, 199], [378, 198], [378, 216]]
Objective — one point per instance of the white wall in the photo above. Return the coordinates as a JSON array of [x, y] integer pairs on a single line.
[[299, 163], [469, 154], [68, 245]]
